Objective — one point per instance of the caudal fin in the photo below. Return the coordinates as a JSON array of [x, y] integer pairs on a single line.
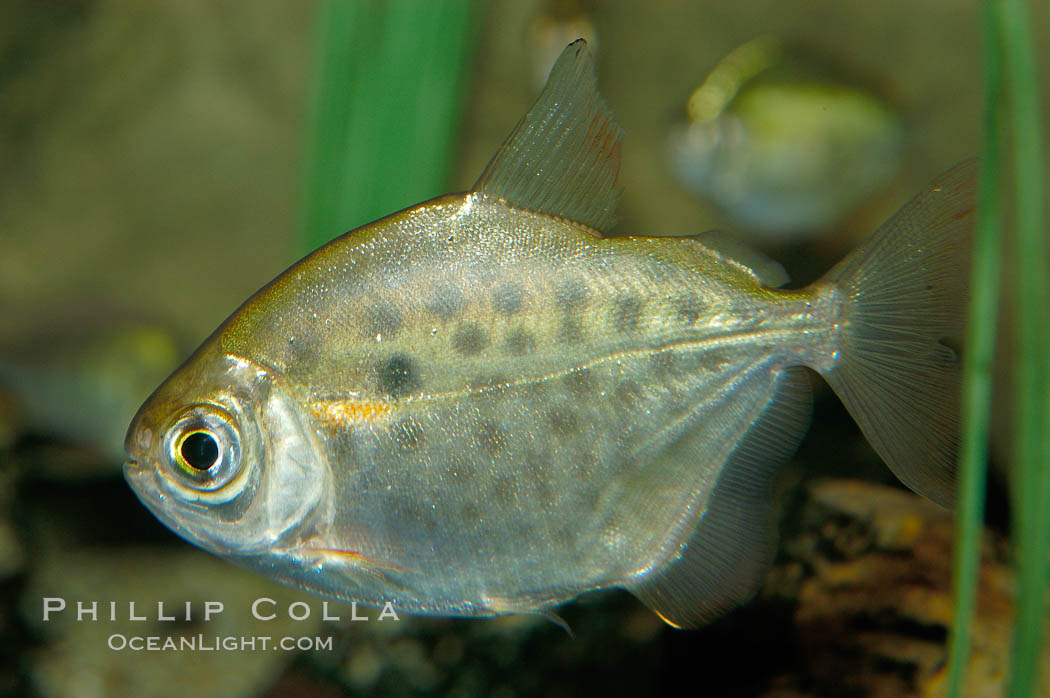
[[906, 295]]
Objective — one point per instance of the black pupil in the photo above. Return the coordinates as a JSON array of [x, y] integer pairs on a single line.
[[200, 450]]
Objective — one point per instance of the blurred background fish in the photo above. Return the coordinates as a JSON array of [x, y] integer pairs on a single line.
[[780, 144], [73, 382]]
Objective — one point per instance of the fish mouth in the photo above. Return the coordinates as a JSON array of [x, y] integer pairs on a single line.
[[136, 477]]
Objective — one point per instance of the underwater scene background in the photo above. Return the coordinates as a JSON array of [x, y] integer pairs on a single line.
[[162, 161]]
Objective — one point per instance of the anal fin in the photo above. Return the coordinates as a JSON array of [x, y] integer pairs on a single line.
[[725, 559]]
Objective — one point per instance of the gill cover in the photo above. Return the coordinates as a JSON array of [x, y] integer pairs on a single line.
[[222, 455]]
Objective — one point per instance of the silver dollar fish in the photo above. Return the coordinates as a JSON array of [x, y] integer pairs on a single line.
[[480, 405]]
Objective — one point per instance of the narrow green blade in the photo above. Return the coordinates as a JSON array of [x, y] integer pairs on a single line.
[[978, 358], [1031, 472], [389, 82]]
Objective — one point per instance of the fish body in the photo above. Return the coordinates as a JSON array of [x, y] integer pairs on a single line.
[[480, 405]]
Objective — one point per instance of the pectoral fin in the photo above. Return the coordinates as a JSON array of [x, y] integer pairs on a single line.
[[351, 562], [502, 606]]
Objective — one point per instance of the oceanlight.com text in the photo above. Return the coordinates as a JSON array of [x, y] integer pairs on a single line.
[[216, 643]]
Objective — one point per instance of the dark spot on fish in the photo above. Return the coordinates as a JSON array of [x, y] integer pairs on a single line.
[[504, 489], [563, 421], [304, 351], [570, 330], [471, 512], [627, 313], [397, 376], [571, 295], [579, 382], [412, 513], [663, 363], [519, 342], [428, 519], [629, 393], [542, 488], [587, 499], [586, 463], [382, 319], [626, 438], [714, 359], [344, 441], [538, 470], [469, 339], [508, 298], [446, 303], [491, 438], [408, 434], [689, 309], [564, 538]]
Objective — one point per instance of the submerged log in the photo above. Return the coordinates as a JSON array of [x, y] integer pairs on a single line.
[[868, 570]]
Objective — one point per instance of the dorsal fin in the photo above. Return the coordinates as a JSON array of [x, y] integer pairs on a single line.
[[563, 157], [767, 270]]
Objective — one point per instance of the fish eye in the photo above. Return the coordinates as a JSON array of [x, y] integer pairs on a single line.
[[204, 447], [199, 450]]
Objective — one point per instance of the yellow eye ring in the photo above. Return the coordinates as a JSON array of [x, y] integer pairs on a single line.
[[204, 448], [197, 451]]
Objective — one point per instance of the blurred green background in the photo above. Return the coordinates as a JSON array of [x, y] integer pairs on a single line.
[[159, 162], [148, 146]]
